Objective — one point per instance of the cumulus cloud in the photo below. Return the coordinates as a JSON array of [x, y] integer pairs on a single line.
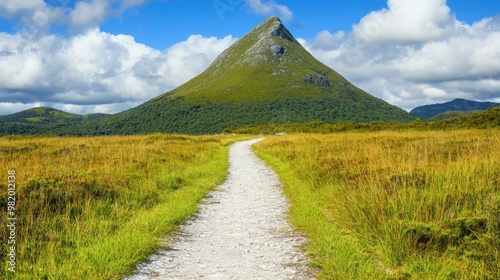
[[407, 21], [86, 14], [90, 14], [91, 71], [270, 8], [37, 16], [416, 52], [31, 15], [96, 71], [325, 40], [13, 7]]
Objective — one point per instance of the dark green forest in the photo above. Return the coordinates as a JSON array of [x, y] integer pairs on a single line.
[[169, 115], [481, 120]]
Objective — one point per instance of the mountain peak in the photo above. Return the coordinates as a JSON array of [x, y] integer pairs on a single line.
[[268, 43], [275, 28], [272, 20]]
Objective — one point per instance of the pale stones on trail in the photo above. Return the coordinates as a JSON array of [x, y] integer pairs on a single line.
[[240, 232]]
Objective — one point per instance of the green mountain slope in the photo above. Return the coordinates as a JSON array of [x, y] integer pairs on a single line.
[[41, 115], [462, 105], [452, 114], [47, 115], [265, 77], [267, 63], [485, 119]]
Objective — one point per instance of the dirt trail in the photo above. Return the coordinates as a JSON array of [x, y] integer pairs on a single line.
[[240, 232]]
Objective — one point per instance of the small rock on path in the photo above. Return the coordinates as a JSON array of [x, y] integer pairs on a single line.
[[240, 232]]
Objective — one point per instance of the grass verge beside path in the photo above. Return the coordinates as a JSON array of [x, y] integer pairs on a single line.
[[92, 208], [394, 205]]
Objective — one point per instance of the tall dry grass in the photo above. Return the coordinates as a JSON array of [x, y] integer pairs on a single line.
[[91, 208], [395, 205]]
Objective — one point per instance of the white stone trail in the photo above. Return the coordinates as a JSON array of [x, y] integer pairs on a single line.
[[240, 232]]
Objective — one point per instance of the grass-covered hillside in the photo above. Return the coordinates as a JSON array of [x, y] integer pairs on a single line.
[[452, 114], [46, 115], [41, 120], [487, 119]]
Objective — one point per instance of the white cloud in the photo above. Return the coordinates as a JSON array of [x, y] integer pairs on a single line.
[[270, 8], [415, 53], [96, 70], [127, 4], [37, 16], [89, 14], [10, 7], [31, 15], [407, 21], [433, 93], [325, 40]]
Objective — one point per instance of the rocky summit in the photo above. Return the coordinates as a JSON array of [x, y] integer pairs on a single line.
[[265, 77], [268, 63]]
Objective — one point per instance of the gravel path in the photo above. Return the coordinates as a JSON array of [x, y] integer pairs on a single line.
[[240, 232]]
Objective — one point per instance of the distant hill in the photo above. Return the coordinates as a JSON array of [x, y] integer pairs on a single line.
[[47, 115], [452, 114], [41, 120], [457, 105], [485, 119]]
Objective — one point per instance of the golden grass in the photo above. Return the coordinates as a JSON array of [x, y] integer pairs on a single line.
[[92, 208], [381, 205], [395, 205]]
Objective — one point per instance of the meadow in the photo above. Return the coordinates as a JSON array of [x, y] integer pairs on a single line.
[[92, 208], [374, 205], [394, 205]]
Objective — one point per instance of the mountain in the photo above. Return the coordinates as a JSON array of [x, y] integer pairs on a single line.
[[265, 77], [40, 120], [462, 105]]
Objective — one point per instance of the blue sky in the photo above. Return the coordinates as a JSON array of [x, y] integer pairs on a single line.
[[309, 17], [111, 55]]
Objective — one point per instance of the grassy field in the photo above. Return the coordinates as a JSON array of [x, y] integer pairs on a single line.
[[394, 205], [375, 205], [91, 208]]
